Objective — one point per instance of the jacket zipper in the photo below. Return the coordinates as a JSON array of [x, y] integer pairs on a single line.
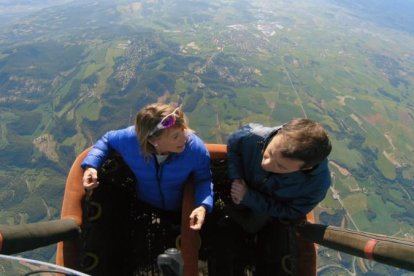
[[159, 168]]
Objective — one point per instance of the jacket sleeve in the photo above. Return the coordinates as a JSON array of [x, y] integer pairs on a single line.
[[234, 148], [294, 208], [203, 180], [98, 153]]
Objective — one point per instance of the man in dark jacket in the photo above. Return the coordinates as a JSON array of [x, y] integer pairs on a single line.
[[278, 173]]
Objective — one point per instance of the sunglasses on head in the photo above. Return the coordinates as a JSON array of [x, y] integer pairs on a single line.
[[166, 122]]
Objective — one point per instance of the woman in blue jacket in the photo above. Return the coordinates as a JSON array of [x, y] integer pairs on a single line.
[[162, 152]]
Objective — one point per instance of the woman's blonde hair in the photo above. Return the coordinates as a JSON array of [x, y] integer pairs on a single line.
[[147, 120]]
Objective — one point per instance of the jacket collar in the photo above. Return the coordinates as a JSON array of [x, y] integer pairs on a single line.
[[269, 136]]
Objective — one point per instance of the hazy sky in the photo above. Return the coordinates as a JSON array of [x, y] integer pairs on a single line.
[[396, 14], [14, 9]]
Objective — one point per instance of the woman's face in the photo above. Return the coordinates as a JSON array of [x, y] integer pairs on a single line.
[[172, 140]]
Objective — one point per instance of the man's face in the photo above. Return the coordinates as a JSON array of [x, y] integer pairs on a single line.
[[274, 162]]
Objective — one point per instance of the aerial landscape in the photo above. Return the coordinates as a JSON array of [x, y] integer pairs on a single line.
[[72, 70]]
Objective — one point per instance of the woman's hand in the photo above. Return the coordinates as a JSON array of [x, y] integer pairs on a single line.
[[238, 190], [90, 179], [197, 217]]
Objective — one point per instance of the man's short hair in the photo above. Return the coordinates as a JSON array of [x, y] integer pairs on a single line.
[[306, 140]]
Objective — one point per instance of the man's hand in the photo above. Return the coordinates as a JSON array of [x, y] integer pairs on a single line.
[[90, 179], [238, 190], [197, 217]]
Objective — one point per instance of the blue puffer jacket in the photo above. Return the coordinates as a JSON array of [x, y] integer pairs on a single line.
[[159, 185], [287, 196]]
